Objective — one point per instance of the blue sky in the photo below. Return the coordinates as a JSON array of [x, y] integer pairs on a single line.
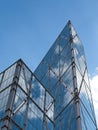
[[29, 27]]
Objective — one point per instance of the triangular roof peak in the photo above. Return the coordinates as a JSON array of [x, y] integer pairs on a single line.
[[69, 21]]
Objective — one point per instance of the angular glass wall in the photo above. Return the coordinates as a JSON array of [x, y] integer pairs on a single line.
[[6, 79], [88, 120], [25, 104], [56, 97], [63, 72]]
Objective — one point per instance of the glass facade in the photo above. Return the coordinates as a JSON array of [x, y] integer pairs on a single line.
[[63, 72], [25, 104], [57, 96]]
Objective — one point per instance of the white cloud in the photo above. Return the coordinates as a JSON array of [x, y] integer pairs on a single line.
[[94, 88], [96, 68], [58, 48], [76, 40], [55, 71], [73, 31]]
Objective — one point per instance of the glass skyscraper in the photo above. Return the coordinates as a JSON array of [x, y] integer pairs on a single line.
[[57, 96]]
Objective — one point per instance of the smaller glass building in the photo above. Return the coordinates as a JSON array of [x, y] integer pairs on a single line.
[[25, 104]]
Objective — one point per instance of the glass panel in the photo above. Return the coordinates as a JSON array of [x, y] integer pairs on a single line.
[[63, 93], [49, 80], [14, 126], [85, 97], [63, 96], [8, 77], [3, 101], [35, 117], [3, 97], [37, 93], [25, 78], [9, 72], [89, 124], [66, 119], [79, 78], [19, 114], [65, 59], [79, 60], [48, 125], [49, 106], [86, 78], [67, 79], [19, 98], [6, 83]]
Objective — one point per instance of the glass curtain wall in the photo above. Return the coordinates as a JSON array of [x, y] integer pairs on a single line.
[[32, 105], [63, 72], [57, 96]]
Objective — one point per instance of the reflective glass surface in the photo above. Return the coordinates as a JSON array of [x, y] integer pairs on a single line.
[[83, 85], [57, 96], [33, 106], [6, 79], [62, 71]]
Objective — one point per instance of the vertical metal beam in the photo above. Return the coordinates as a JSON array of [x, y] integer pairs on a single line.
[[44, 118], [11, 98], [27, 105], [2, 78], [59, 75], [76, 95]]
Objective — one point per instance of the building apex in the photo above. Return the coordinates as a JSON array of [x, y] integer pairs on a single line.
[[69, 22]]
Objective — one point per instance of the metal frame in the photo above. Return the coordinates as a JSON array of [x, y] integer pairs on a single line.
[[74, 92], [9, 112]]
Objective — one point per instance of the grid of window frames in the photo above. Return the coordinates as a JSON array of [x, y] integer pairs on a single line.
[[33, 106], [57, 96], [63, 71]]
